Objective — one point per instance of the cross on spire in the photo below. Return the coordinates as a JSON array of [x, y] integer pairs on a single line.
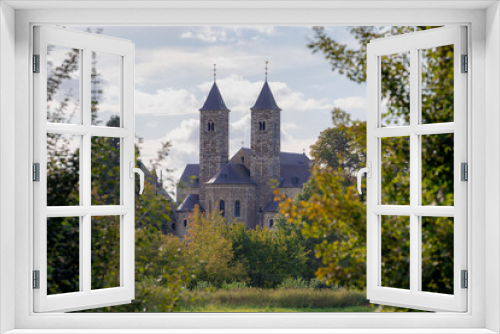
[[267, 62], [215, 72]]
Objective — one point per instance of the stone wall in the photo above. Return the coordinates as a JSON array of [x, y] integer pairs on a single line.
[[230, 193], [214, 145], [180, 228], [265, 145]]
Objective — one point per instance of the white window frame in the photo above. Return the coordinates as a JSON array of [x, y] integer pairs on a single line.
[[483, 20], [86, 297], [415, 297]]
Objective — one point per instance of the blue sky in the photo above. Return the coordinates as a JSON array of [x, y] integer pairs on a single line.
[[174, 72]]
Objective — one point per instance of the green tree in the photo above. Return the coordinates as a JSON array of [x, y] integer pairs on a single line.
[[269, 256]]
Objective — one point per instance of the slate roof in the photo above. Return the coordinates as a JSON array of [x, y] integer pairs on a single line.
[[190, 176], [294, 172], [214, 100], [189, 203], [272, 206], [266, 99], [233, 173]]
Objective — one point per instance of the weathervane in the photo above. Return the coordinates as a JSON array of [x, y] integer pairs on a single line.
[[215, 72], [267, 62]]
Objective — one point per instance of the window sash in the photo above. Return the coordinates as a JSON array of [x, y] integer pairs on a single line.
[[86, 297], [414, 298]]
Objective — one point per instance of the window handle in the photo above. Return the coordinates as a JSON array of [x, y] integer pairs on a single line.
[[359, 174], [133, 170]]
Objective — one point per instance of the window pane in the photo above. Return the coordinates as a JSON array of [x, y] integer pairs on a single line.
[[437, 169], [106, 89], [63, 255], [105, 252], [105, 171], [395, 89], [63, 170], [63, 85], [395, 231], [437, 84], [437, 254], [395, 169]]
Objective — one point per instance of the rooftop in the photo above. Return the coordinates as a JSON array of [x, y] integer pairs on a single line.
[[189, 203], [266, 99], [233, 173], [214, 100]]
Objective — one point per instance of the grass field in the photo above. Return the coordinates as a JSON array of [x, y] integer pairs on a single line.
[[278, 300], [213, 308]]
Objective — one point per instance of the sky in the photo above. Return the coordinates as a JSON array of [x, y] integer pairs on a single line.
[[174, 72]]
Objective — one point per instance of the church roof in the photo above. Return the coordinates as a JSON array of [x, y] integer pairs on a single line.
[[233, 173], [266, 99], [294, 172], [214, 100], [189, 203], [272, 206], [190, 176]]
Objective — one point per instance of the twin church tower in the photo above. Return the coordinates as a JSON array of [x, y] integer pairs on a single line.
[[242, 187]]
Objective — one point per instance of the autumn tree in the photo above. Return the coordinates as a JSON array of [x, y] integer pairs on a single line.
[[208, 244]]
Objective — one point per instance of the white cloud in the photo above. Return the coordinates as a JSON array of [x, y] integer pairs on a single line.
[[349, 103], [206, 34], [185, 142], [161, 67], [290, 143], [167, 101], [218, 34]]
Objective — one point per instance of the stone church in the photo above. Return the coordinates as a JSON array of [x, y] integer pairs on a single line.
[[241, 188]]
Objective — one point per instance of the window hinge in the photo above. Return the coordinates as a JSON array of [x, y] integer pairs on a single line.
[[36, 279], [464, 172], [465, 279], [465, 64], [36, 172], [36, 63]]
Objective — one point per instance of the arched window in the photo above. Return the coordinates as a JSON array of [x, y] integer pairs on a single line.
[[237, 209], [271, 222], [260, 126], [185, 222], [222, 208], [213, 126], [263, 126], [173, 226], [242, 160], [209, 126]]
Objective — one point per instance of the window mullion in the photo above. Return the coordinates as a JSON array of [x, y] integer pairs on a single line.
[[86, 177], [415, 244]]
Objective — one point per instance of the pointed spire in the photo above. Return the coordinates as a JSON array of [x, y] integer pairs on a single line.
[[214, 99], [265, 99]]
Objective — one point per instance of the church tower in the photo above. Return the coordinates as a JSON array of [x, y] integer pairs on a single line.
[[265, 145], [214, 137]]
